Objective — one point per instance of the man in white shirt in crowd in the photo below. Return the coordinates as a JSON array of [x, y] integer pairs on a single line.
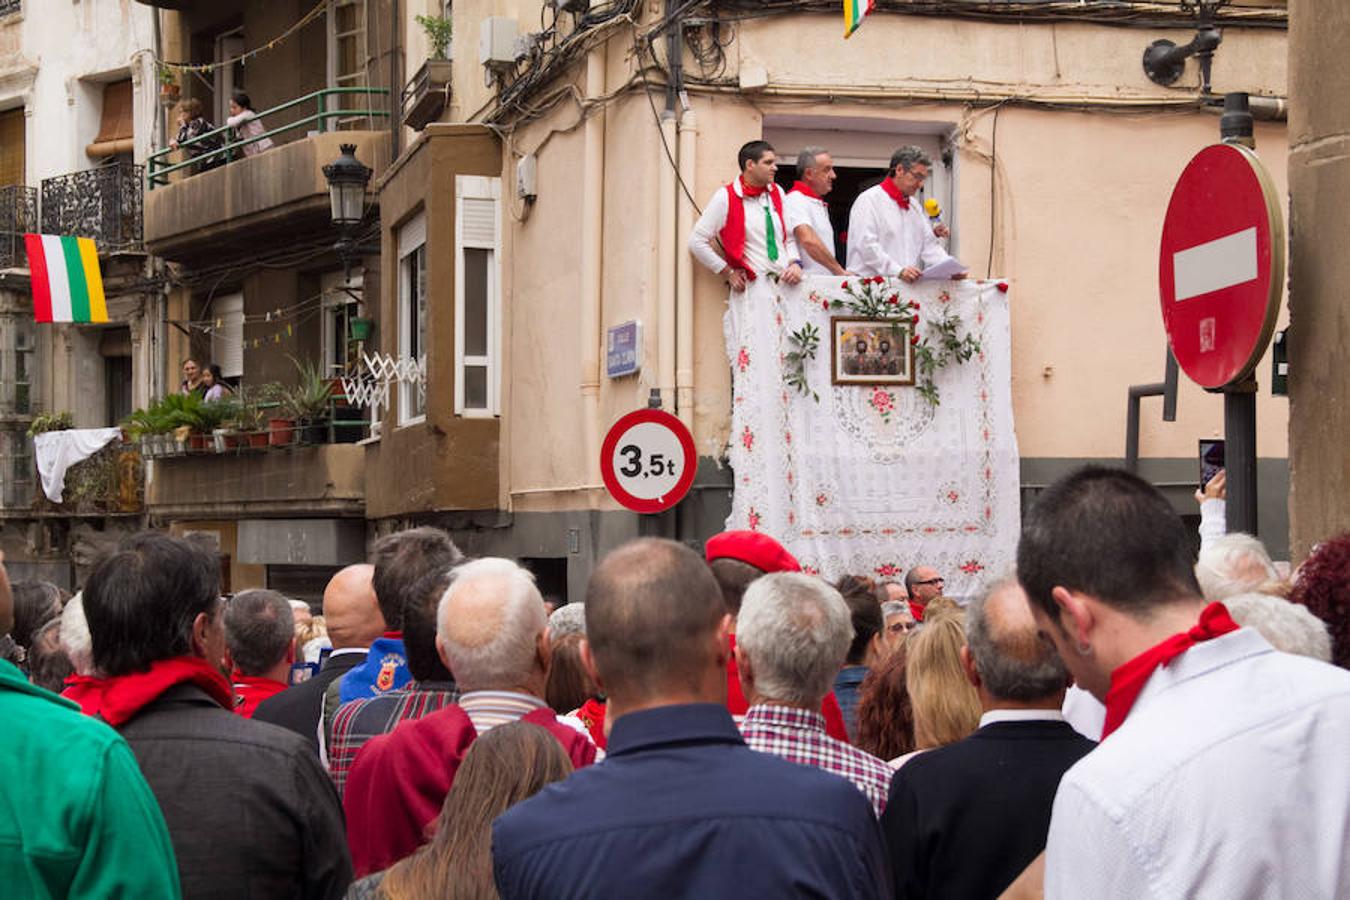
[[746, 218], [808, 215], [888, 232], [1222, 768]]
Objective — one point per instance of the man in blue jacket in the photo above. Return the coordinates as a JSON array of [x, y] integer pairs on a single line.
[[681, 807]]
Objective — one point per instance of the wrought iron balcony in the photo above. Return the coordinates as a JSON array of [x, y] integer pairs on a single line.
[[18, 216], [105, 204], [9, 7]]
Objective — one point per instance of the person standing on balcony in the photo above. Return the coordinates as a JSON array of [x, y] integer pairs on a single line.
[[808, 215], [246, 124], [746, 218], [192, 378], [888, 234], [191, 126]]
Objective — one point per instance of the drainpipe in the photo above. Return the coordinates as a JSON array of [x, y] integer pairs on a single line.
[[592, 236], [665, 262], [684, 272]]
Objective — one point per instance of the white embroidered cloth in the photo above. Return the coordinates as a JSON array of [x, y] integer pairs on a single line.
[[872, 480]]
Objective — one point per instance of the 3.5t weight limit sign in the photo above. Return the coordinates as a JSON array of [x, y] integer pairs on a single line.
[[648, 461]]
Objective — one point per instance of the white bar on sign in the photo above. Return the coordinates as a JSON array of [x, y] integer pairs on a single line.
[[1220, 263]]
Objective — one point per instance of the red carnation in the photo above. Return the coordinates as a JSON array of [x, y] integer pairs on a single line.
[[844, 285], [895, 298], [914, 339], [914, 320], [1003, 287], [915, 303]]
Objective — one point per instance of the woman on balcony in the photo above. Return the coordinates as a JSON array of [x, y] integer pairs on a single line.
[[191, 126], [246, 124]]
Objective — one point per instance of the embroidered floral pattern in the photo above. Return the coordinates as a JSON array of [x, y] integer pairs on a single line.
[[887, 570], [972, 567], [747, 438], [754, 518], [883, 402], [743, 359]]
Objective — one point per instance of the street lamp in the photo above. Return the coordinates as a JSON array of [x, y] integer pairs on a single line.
[[1164, 61], [347, 179]]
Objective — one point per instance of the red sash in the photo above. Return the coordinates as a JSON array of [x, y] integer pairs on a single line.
[[118, 699], [1128, 680], [893, 192], [732, 234]]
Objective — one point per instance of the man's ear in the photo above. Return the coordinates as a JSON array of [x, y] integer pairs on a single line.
[[201, 625], [745, 670], [588, 663], [724, 630], [543, 651], [968, 664], [291, 652], [1075, 617], [440, 651]]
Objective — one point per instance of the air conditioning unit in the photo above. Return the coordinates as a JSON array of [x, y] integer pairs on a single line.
[[497, 42]]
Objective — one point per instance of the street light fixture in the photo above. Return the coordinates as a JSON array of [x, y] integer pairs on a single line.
[[1164, 61], [347, 179]]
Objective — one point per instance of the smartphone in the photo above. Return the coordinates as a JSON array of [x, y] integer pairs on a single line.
[[1211, 459]]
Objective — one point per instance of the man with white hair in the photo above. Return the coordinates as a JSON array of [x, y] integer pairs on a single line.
[[1235, 563], [566, 620], [492, 634], [808, 214], [792, 635]]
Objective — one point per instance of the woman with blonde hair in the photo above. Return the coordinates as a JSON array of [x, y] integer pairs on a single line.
[[945, 705], [508, 764]]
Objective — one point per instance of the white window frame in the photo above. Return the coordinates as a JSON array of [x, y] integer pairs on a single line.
[[412, 236], [477, 187]]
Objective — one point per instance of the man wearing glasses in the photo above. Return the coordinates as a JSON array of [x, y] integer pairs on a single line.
[[923, 584], [888, 232]]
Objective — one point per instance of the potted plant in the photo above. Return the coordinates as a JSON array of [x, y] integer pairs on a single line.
[[249, 418], [44, 422], [309, 401], [360, 327], [439, 30], [149, 427], [214, 414], [272, 400], [168, 85]]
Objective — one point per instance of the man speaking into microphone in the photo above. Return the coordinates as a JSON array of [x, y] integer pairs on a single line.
[[887, 233]]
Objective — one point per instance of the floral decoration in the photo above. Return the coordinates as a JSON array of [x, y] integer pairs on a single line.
[[743, 359], [883, 402], [887, 570], [754, 518], [972, 567], [748, 438]]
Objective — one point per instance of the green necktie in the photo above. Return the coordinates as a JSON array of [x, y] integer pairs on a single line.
[[770, 236]]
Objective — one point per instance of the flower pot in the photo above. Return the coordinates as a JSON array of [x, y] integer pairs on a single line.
[[219, 440], [360, 328], [197, 442], [280, 431], [256, 439]]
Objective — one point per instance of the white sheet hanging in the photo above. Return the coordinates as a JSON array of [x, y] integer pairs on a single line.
[[57, 451]]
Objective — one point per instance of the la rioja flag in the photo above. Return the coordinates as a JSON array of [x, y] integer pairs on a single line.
[[854, 13], [67, 284]]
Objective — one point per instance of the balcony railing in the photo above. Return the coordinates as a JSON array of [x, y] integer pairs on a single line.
[[18, 216], [104, 204], [329, 111], [9, 7]]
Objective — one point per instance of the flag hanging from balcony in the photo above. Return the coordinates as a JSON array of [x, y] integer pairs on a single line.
[[67, 285], [854, 13]]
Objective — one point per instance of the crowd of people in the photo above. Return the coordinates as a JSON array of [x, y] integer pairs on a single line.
[[1114, 719]]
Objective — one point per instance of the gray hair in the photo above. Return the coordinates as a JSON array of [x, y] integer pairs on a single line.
[[1290, 627], [890, 608], [807, 158], [489, 621], [796, 631], [259, 627], [1233, 564], [1014, 660], [75, 637], [909, 156], [566, 620]]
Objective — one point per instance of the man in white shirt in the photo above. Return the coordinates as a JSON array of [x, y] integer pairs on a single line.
[[746, 218], [1222, 769], [808, 215], [888, 232]]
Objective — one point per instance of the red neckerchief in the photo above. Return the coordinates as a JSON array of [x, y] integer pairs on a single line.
[[1128, 680], [393, 635], [118, 699], [801, 187], [732, 234], [916, 611], [893, 192]]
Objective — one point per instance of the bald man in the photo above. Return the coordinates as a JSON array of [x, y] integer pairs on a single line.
[[965, 819], [353, 617]]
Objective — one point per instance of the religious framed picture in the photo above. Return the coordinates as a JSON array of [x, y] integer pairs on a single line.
[[871, 351]]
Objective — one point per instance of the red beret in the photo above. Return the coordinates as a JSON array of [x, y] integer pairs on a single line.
[[753, 548]]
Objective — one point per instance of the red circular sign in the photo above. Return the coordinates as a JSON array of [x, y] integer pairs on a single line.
[[648, 461], [1221, 265]]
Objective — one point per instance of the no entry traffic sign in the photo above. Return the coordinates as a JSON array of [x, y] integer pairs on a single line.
[[1221, 265], [648, 461]]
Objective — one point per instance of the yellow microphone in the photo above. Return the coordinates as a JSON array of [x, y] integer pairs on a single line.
[[934, 210]]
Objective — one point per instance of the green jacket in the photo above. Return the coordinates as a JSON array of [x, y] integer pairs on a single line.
[[76, 816]]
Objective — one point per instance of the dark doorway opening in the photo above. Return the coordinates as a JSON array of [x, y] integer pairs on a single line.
[[550, 576]]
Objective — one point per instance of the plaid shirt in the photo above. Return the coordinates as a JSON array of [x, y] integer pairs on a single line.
[[798, 735], [360, 720]]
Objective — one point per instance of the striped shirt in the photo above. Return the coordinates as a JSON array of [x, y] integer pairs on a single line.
[[488, 709], [798, 735], [360, 720]]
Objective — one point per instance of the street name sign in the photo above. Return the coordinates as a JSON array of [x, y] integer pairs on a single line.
[[647, 461], [1221, 265]]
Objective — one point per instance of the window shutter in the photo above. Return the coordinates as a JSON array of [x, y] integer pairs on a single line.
[[227, 338]]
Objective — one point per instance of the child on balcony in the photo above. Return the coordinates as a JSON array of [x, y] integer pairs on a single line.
[[246, 124]]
